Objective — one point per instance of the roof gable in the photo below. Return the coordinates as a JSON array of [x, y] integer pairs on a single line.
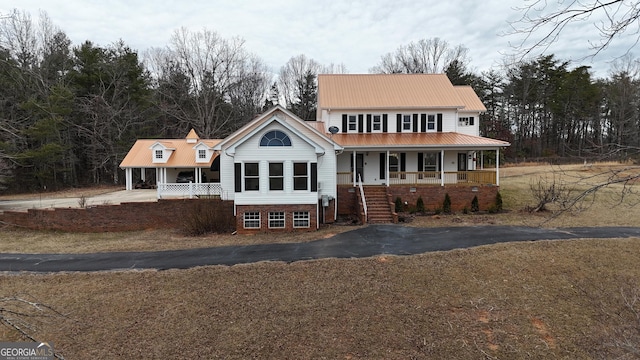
[[387, 91], [276, 114]]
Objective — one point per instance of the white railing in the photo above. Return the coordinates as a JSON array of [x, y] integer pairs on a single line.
[[190, 190], [364, 201]]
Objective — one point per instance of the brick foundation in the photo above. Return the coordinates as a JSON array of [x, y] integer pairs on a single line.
[[264, 217], [432, 196]]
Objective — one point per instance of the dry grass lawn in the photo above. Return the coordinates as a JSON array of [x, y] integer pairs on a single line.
[[575, 299]]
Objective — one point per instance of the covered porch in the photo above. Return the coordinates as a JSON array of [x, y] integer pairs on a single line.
[[411, 167]]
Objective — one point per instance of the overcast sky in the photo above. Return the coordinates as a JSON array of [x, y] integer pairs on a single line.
[[354, 32]]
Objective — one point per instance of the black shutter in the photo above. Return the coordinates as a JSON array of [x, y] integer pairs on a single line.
[[439, 122], [415, 122], [368, 123], [314, 177], [383, 165], [385, 126], [360, 123], [344, 123], [420, 162], [471, 120], [423, 123], [237, 167], [399, 123], [403, 162]]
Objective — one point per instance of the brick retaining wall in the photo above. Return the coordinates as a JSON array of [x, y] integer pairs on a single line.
[[163, 214]]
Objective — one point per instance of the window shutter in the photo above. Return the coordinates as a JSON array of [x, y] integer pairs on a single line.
[[415, 122], [423, 123], [360, 123], [314, 177], [385, 126], [237, 167], [383, 165], [344, 123], [420, 162], [439, 122], [471, 120], [399, 123], [403, 162], [368, 123]]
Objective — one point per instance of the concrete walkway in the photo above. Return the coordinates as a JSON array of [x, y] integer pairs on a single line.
[[111, 198], [365, 242]]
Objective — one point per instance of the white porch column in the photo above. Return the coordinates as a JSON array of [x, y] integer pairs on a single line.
[[441, 167], [482, 160], [355, 168], [143, 176], [129, 178], [197, 174], [386, 170], [498, 166]]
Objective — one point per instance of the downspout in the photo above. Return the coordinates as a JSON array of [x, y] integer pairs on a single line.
[[497, 166], [441, 167], [387, 170]]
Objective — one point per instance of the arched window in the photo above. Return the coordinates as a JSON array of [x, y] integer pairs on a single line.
[[275, 138]]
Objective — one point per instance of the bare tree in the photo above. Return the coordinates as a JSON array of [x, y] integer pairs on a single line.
[[197, 75], [427, 56], [543, 22]]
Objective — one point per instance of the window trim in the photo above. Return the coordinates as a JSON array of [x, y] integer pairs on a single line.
[[251, 177], [202, 154], [431, 122], [376, 118], [159, 155], [352, 121], [279, 176], [305, 176], [252, 220], [273, 220], [275, 138], [407, 119], [301, 216]]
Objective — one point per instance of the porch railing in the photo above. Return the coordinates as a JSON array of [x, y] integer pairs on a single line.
[[364, 200], [475, 177], [190, 190]]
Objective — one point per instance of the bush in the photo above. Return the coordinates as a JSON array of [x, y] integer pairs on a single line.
[[207, 217], [475, 205], [498, 202], [399, 205], [420, 205], [446, 204]]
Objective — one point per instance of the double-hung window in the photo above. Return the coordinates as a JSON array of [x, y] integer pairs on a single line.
[[376, 123], [353, 123], [251, 177], [252, 220], [406, 122], [431, 122], [276, 219], [301, 219], [276, 176], [300, 176]]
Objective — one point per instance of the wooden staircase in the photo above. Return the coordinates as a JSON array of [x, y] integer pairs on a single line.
[[379, 208]]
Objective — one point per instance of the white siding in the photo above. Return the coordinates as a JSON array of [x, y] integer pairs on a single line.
[[299, 151], [449, 118]]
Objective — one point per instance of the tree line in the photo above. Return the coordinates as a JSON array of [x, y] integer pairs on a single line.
[[69, 113]]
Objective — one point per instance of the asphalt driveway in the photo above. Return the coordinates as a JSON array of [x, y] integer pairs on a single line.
[[364, 242]]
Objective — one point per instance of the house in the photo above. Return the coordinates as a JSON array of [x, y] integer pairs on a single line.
[[376, 138]]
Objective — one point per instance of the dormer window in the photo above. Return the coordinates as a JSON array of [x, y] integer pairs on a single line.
[[202, 154], [275, 138], [158, 154]]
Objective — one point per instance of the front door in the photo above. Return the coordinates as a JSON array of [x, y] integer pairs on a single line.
[[462, 166], [360, 167]]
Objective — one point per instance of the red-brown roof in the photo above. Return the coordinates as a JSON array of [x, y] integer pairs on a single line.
[[423, 140]]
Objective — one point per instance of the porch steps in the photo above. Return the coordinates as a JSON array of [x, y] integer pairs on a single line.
[[378, 208]]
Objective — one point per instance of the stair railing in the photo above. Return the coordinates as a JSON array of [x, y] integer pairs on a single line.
[[364, 201]]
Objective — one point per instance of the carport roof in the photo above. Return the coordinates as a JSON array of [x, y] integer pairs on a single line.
[[183, 153]]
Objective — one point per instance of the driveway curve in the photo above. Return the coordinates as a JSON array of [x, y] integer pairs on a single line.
[[364, 242]]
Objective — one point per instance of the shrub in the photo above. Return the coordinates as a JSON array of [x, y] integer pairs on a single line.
[[207, 217], [420, 205], [399, 206], [446, 204], [475, 205], [498, 202]]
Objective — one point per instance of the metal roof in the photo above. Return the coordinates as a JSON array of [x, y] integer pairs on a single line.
[[422, 140], [391, 91], [183, 154]]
